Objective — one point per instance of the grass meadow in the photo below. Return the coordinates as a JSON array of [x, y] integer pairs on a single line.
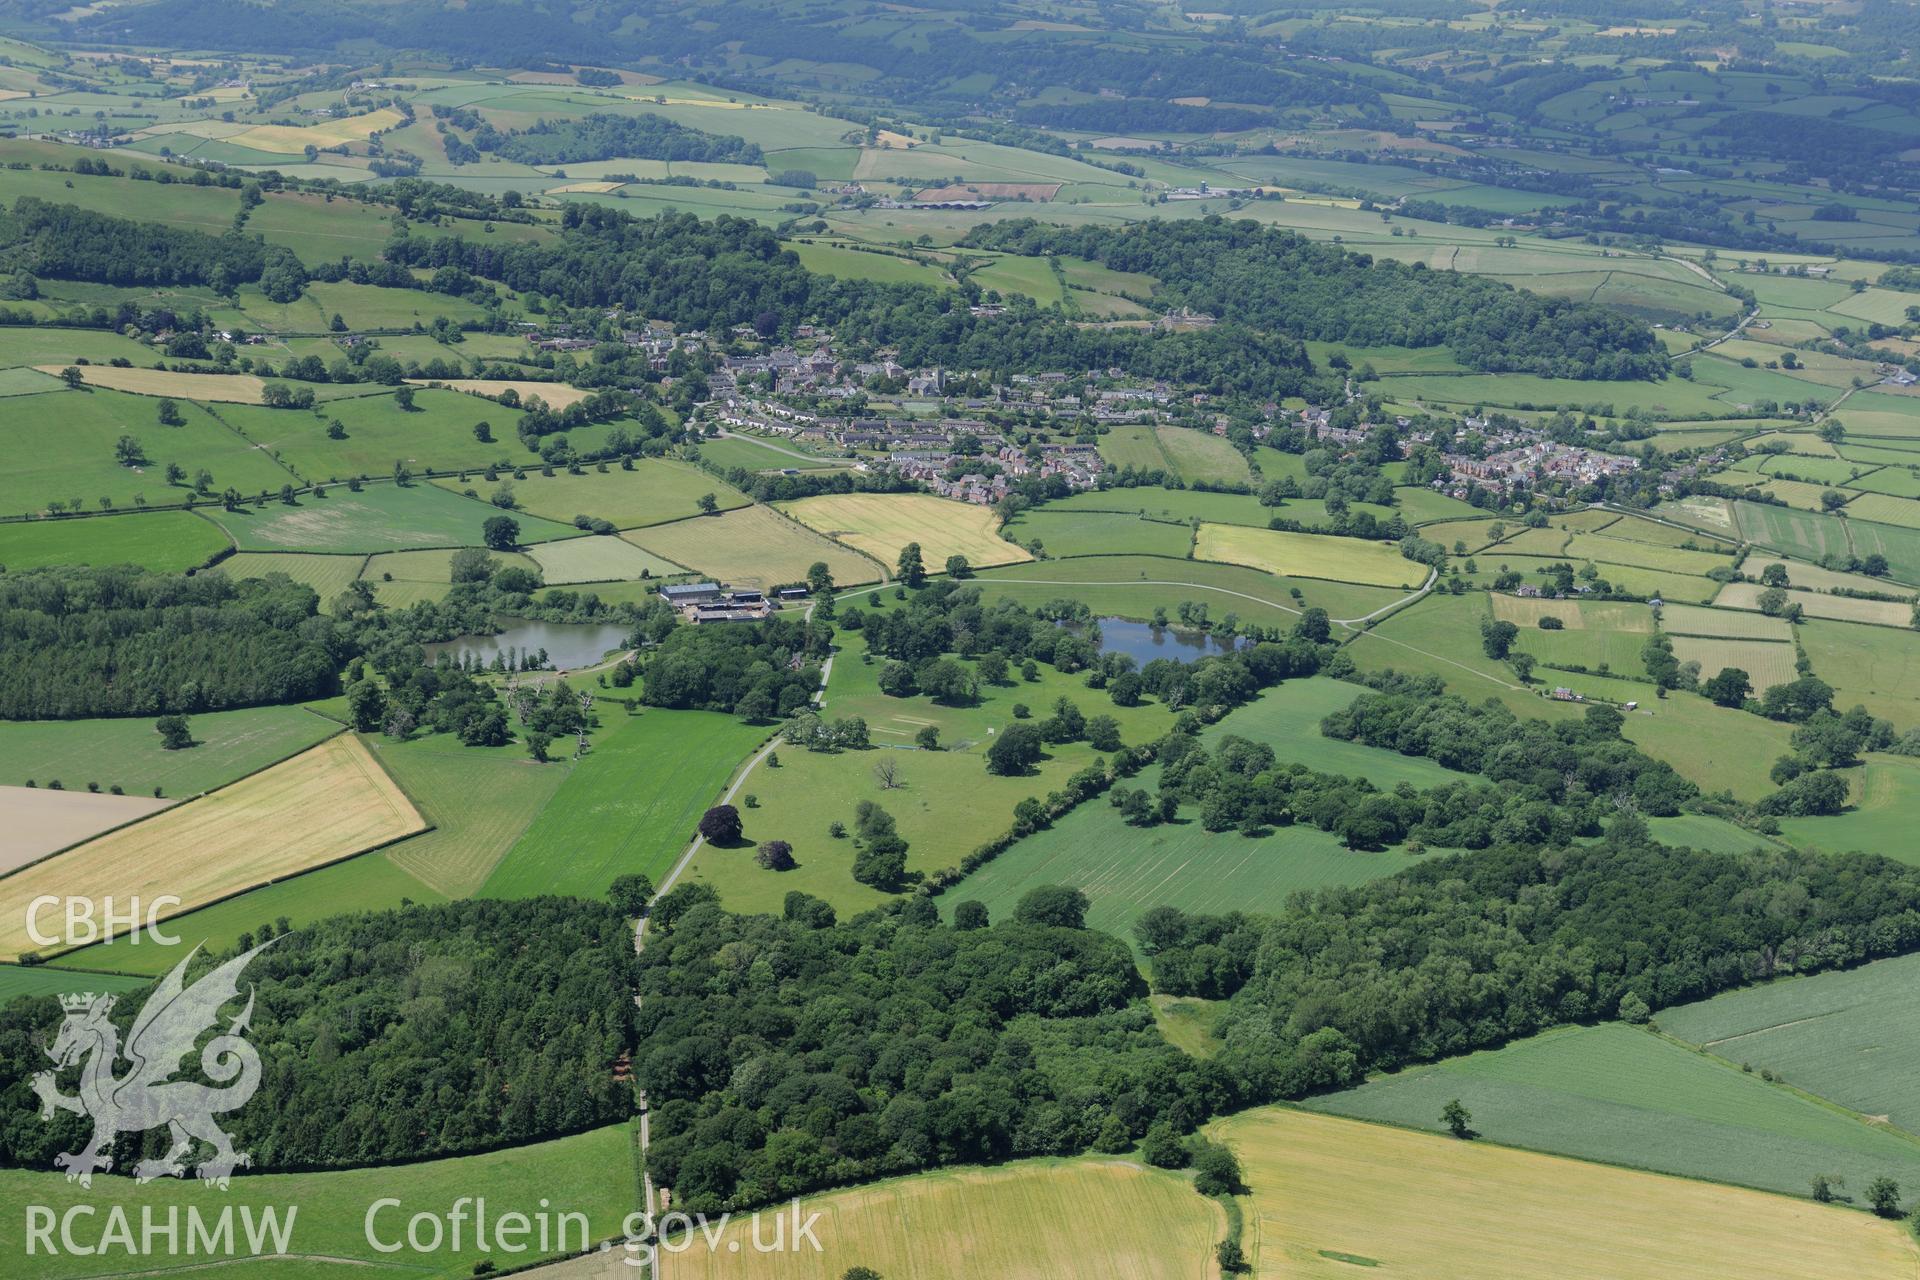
[[1883, 806], [381, 517], [629, 805], [1332, 1197], [882, 524], [1878, 667], [327, 803], [1202, 456], [38, 981], [591, 1173], [437, 432], [654, 492], [1099, 533], [127, 752], [1766, 662], [162, 541], [1133, 586], [597, 559], [1309, 555], [480, 801], [1626, 1096]]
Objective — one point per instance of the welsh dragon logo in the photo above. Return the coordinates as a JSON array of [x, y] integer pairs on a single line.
[[146, 1096]]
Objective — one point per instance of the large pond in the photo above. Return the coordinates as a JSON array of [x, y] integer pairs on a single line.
[[568, 644], [1144, 642]]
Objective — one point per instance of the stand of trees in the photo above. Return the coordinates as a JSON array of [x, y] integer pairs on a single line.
[[1281, 282], [748, 669], [604, 137], [124, 642], [396, 1035], [65, 242]]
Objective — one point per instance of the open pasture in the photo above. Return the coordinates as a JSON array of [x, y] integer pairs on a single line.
[[1003, 1221], [84, 468], [1876, 666], [437, 432], [378, 518], [882, 524], [753, 546], [756, 454], [38, 981], [1099, 533], [1635, 553], [1717, 748], [654, 492], [1331, 1196], [1574, 615], [480, 800], [327, 575], [1202, 456], [1626, 1096], [323, 805], [1180, 504], [1884, 508], [601, 823], [163, 541], [1309, 555], [1133, 586], [1883, 806], [597, 559], [126, 752]]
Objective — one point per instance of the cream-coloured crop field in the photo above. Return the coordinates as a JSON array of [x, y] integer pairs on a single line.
[[232, 388], [754, 547], [881, 524], [1309, 555], [1334, 1199], [40, 820], [1057, 1220], [1885, 613], [1766, 662], [292, 139], [325, 804], [556, 395], [1693, 620]]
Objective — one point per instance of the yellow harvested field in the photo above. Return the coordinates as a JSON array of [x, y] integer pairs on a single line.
[[323, 805], [1037, 1220], [1339, 1198], [1885, 613], [292, 139], [40, 821], [880, 524], [753, 547], [558, 395], [1309, 555], [583, 188], [233, 388]]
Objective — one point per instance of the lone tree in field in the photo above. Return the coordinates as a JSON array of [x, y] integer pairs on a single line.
[[631, 894], [957, 567], [1884, 1195], [174, 733], [721, 824], [775, 855], [910, 569], [1458, 1119], [169, 411], [886, 772], [72, 376], [1015, 750], [128, 452], [709, 505], [502, 533]]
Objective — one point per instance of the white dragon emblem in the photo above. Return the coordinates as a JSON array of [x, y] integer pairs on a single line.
[[146, 1096]]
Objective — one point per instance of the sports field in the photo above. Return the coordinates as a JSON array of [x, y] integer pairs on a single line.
[[323, 805], [1624, 1095], [630, 805], [1337, 1198], [1309, 555], [1089, 1219], [881, 524], [163, 541], [126, 752], [381, 517], [753, 547], [654, 492]]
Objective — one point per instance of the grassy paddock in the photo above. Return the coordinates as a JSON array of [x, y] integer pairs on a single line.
[[381, 517], [127, 752], [163, 541], [1309, 555], [654, 492]]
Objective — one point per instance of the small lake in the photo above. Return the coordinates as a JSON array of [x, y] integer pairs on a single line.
[[568, 644], [1144, 642]]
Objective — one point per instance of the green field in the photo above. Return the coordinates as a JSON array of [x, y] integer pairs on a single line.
[[1132, 586], [654, 492], [17, 981], [1877, 667], [1717, 747], [327, 575], [630, 805], [479, 799], [1179, 505], [758, 455], [1309, 555], [165, 542], [381, 517], [1202, 456], [1884, 800], [78, 465], [1625, 1096], [754, 547], [437, 432], [591, 1173], [127, 752], [1098, 533], [597, 559]]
